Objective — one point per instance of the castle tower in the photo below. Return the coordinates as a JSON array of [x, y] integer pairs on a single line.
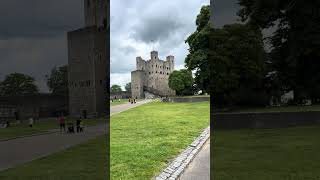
[[152, 76], [96, 13], [88, 64]]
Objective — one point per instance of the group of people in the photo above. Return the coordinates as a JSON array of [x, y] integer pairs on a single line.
[[79, 125], [132, 100]]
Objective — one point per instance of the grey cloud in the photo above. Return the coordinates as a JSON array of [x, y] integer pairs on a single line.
[[225, 12], [156, 29], [39, 18]]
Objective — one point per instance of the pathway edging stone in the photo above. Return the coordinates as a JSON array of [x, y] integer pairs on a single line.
[[175, 169]]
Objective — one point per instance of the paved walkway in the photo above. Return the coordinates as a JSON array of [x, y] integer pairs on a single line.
[[123, 107], [22, 150], [199, 168]]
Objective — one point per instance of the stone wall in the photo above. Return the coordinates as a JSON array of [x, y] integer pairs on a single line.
[[186, 99], [37, 106], [120, 95], [137, 81], [263, 120], [87, 71]]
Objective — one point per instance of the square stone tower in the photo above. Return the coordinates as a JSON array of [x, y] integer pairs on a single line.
[[152, 76], [88, 64]]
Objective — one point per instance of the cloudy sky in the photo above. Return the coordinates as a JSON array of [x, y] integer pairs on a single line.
[[33, 33], [135, 23]]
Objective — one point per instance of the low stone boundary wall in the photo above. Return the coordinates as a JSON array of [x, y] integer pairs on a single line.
[[263, 120], [186, 99], [179, 164]]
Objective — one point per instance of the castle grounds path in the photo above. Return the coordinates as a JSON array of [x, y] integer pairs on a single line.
[[199, 168], [21, 150], [123, 107]]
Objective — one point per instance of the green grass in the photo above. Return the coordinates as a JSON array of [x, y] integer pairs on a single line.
[[281, 109], [269, 154], [146, 138], [41, 126], [82, 162], [117, 102]]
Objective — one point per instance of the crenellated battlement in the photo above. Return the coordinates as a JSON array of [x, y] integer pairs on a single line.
[[156, 74]]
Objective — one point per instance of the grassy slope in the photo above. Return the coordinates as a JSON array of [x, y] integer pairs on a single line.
[[288, 154], [144, 139], [82, 162], [39, 127]]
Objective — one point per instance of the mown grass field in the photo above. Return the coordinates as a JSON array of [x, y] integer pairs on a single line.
[[40, 126], [144, 139], [267, 154], [86, 161]]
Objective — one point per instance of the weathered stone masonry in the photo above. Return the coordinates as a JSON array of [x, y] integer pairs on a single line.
[[87, 62], [152, 76]]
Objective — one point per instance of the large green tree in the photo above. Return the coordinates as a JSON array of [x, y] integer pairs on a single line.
[[237, 65], [128, 87], [17, 84], [198, 57], [295, 43], [181, 81], [57, 81], [115, 88]]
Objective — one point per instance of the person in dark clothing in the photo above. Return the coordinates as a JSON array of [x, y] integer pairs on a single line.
[[62, 123], [78, 123]]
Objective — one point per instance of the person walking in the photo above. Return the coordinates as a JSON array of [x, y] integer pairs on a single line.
[[78, 123], [62, 124], [31, 121]]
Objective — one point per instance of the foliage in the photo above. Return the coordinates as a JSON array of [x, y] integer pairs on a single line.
[[115, 88], [181, 81], [58, 80], [197, 59], [17, 84], [295, 44], [128, 87], [237, 65]]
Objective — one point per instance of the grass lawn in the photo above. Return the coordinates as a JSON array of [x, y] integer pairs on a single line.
[[117, 102], [144, 139], [269, 154], [281, 109], [82, 162], [122, 101], [39, 127]]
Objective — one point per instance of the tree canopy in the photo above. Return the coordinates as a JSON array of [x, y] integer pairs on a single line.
[[57, 81], [115, 88], [181, 81], [295, 43], [198, 56], [237, 64], [128, 87], [17, 84]]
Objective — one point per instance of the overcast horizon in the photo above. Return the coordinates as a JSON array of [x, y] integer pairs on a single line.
[[141, 26], [33, 34]]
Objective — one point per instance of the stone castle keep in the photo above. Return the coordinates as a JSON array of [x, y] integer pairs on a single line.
[[87, 62], [151, 76]]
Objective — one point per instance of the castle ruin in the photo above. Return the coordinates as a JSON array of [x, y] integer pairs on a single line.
[[87, 62], [152, 76]]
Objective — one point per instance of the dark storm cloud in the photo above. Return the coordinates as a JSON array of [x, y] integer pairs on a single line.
[[33, 35], [156, 29], [38, 18]]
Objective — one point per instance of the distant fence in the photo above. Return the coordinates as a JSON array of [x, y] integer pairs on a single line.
[[263, 120], [186, 99]]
